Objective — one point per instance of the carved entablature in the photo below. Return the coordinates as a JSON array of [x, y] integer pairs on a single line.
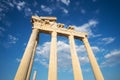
[[39, 19], [59, 25], [49, 24], [71, 28], [43, 21]]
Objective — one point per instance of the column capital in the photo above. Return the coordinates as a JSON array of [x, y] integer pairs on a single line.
[[84, 39], [54, 34]]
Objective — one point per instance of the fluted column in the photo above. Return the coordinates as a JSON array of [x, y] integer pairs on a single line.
[[52, 74], [25, 62], [75, 61], [95, 67], [31, 62], [34, 75]]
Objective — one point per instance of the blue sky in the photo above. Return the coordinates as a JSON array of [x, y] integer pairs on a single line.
[[99, 18]]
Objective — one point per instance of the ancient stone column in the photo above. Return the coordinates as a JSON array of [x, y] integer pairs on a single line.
[[25, 62], [75, 61], [96, 70], [34, 75], [52, 74], [31, 62]]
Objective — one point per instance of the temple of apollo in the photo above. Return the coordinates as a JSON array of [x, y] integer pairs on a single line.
[[50, 26]]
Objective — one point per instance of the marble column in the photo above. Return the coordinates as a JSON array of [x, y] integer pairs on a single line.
[[34, 75], [95, 67], [32, 61], [75, 60], [52, 73], [25, 61]]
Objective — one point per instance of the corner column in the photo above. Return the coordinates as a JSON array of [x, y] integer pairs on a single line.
[[75, 61], [26, 59], [95, 67], [32, 61], [52, 74]]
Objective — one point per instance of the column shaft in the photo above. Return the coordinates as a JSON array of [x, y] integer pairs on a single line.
[[75, 61], [25, 62], [31, 62], [34, 75], [95, 67], [52, 74]]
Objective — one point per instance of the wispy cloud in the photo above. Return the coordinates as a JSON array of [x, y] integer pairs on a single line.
[[11, 4], [63, 52], [20, 5], [18, 59], [66, 2], [28, 11], [65, 10], [111, 59], [25, 7], [3, 9], [112, 53], [87, 27], [108, 40], [43, 62], [46, 9], [1, 31], [12, 39]]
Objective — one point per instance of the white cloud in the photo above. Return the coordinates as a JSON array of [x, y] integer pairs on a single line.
[[44, 50], [84, 59], [66, 2], [82, 49], [28, 11], [63, 52], [1, 31], [113, 53], [11, 4], [3, 9], [108, 40], [12, 39], [46, 9], [8, 3], [95, 49], [87, 27], [20, 5], [18, 59], [42, 61], [8, 43], [65, 11], [111, 59]]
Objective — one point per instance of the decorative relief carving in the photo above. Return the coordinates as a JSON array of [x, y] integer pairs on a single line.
[[71, 28], [59, 25]]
